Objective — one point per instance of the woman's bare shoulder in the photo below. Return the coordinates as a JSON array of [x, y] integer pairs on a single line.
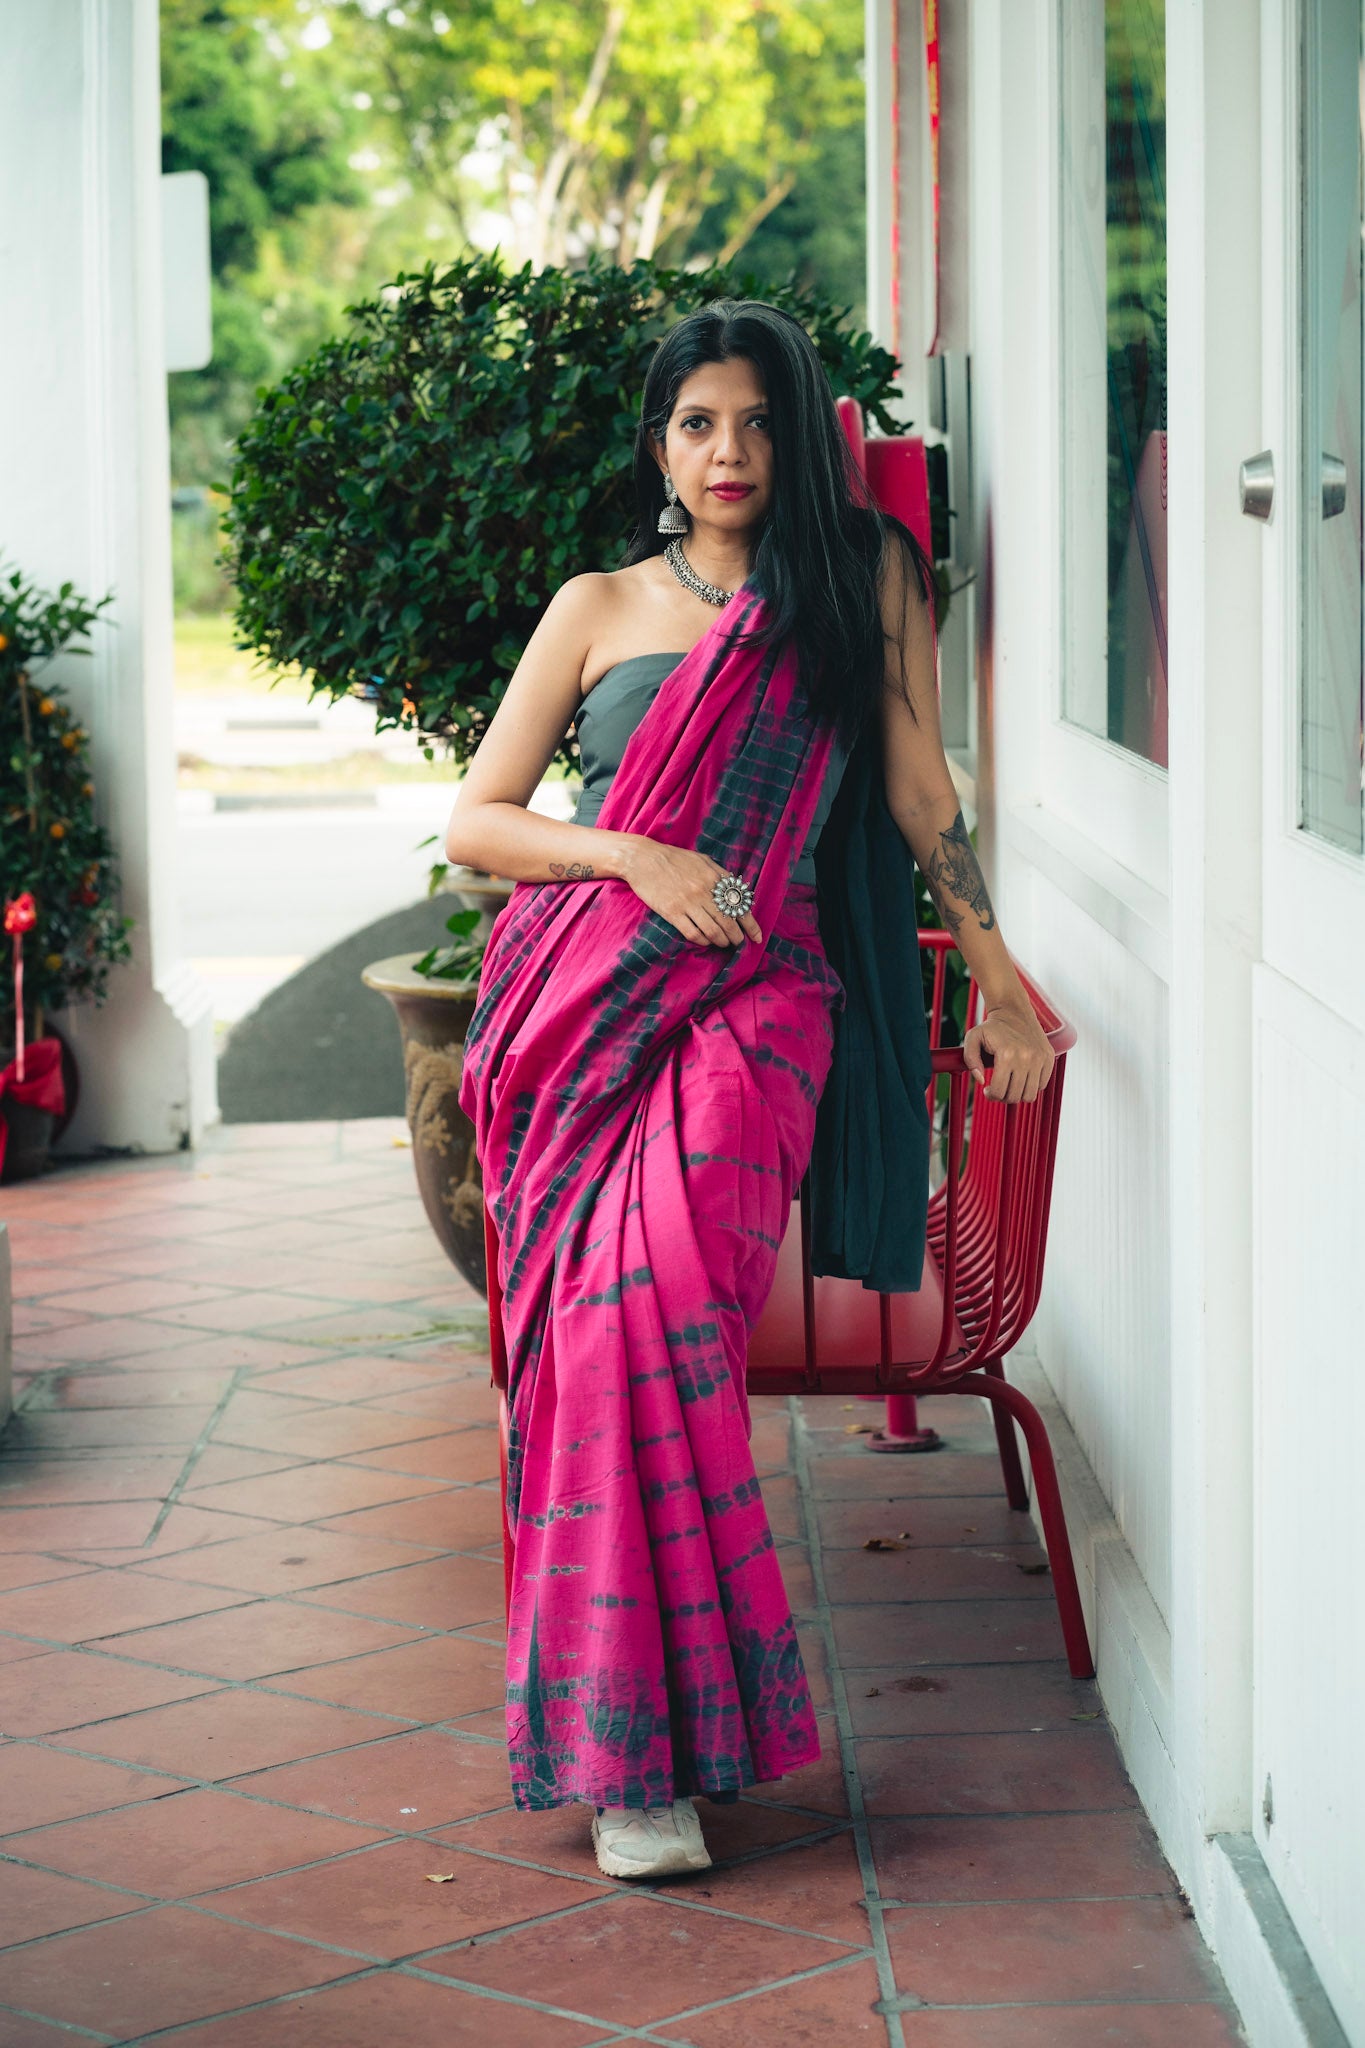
[[602, 611], [596, 587]]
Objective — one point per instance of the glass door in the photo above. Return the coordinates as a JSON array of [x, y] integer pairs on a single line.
[[1313, 336], [1333, 360]]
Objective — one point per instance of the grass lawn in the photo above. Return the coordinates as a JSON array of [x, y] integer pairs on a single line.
[[206, 661], [346, 772]]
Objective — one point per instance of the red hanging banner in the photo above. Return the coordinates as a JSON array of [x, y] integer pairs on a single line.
[[931, 67], [895, 223]]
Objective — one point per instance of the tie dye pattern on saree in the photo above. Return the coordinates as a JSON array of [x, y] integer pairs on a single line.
[[644, 1110]]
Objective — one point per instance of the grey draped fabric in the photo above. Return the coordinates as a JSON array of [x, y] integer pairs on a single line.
[[869, 1170]]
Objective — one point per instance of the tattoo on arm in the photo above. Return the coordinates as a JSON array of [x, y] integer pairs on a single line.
[[953, 872], [577, 871]]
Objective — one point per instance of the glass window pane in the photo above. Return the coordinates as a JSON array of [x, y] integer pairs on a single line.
[[1331, 672], [1113, 149]]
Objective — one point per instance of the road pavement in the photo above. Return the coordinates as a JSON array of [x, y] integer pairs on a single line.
[[269, 879]]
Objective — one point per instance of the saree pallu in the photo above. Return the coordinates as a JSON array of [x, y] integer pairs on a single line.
[[644, 1108]]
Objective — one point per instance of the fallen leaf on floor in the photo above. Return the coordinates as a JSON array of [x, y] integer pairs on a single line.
[[969, 1528], [905, 1535], [447, 1877], [1031, 1571], [1084, 1717], [859, 1428], [873, 1691], [402, 1144], [883, 1543]]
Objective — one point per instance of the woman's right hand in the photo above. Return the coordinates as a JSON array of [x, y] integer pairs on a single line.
[[678, 884]]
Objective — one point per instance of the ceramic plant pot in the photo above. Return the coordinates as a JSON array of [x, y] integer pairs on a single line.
[[433, 1017]]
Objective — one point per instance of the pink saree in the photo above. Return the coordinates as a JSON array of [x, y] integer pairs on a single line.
[[644, 1110]]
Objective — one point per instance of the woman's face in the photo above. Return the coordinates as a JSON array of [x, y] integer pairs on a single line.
[[718, 446]]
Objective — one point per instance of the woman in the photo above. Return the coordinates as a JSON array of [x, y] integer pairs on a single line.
[[659, 1013]]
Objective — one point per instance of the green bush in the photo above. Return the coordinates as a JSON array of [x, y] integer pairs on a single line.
[[50, 842], [404, 503]]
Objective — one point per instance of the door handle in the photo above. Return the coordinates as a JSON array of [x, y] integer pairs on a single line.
[[1333, 486], [1256, 483]]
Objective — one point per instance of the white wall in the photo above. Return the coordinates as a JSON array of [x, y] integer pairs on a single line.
[[84, 497], [1309, 1546], [1103, 1329], [1198, 1346], [1093, 930]]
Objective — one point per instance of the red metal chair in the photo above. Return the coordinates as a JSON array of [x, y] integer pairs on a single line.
[[983, 1272]]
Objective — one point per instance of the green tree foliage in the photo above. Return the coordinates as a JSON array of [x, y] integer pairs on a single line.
[[50, 842], [268, 121], [405, 501], [816, 235], [347, 140], [617, 125]]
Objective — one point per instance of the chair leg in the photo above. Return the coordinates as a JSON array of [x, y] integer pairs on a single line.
[[1011, 1466], [508, 1547], [903, 1431], [1050, 1514]]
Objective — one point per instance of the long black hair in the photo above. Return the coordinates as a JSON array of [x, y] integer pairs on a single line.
[[824, 544]]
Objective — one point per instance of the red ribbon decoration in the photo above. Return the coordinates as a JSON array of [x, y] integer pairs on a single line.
[[21, 914], [931, 62]]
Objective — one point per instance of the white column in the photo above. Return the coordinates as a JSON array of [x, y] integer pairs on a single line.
[[1213, 160], [85, 497]]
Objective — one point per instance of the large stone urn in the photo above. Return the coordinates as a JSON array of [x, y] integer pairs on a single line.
[[433, 1016]]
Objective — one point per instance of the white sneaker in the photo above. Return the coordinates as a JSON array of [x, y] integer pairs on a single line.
[[650, 1841]]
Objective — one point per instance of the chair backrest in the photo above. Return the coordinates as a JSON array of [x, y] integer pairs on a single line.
[[988, 1214]]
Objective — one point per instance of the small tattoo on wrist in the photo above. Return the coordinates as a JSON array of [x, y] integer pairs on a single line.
[[577, 871]]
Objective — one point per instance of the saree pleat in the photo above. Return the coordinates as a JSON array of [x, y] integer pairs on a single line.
[[644, 1108]]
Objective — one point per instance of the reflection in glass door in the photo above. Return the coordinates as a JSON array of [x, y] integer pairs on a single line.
[[1113, 370], [1333, 355]]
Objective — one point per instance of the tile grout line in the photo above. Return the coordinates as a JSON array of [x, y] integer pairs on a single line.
[[442, 1835], [843, 1720], [398, 1968], [413, 1968], [77, 2033]]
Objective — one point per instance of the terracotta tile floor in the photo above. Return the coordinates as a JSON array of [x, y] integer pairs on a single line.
[[250, 1684]]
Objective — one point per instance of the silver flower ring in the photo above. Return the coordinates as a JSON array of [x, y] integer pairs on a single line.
[[733, 895]]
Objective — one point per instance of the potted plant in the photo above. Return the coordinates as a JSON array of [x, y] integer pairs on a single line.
[[433, 995], [402, 505], [57, 868]]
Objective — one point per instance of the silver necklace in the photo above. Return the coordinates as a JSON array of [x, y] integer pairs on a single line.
[[687, 575]]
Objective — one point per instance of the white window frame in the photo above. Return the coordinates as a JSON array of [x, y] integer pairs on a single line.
[[1313, 892], [1107, 793]]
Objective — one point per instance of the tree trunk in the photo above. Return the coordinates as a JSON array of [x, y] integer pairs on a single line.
[[756, 216], [568, 149]]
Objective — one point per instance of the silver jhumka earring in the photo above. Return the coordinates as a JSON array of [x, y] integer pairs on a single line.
[[672, 519]]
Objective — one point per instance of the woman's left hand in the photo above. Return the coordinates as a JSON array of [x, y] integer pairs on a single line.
[[1023, 1058]]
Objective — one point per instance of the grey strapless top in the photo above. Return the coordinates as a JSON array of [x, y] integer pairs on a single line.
[[609, 715]]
